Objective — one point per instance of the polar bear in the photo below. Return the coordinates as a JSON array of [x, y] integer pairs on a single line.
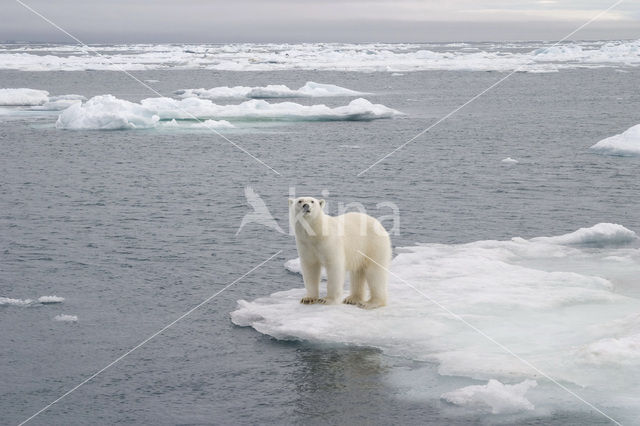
[[353, 242]]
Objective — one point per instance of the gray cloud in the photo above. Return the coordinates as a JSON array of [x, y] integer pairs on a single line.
[[293, 21]]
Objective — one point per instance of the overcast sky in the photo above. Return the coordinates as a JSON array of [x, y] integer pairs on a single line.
[[95, 21]]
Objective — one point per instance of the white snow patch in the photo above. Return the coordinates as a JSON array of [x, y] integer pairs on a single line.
[[498, 397], [624, 350], [206, 124], [66, 318], [625, 144]]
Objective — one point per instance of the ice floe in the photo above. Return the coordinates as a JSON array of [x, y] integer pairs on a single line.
[[66, 318], [509, 160], [36, 100], [47, 300], [624, 144], [562, 303], [109, 113], [309, 90], [602, 234], [7, 301], [23, 97]]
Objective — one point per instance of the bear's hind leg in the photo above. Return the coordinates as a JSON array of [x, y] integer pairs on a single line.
[[376, 277], [357, 288]]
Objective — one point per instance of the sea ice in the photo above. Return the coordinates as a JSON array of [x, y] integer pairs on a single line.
[[358, 109], [496, 396], [45, 300], [309, 90], [14, 302], [23, 97], [509, 160], [624, 144], [392, 58], [602, 234], [66, 318], [557, 302], [107, 113]]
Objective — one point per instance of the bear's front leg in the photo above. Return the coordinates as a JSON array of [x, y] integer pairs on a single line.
[[335, 283], [311, 276]]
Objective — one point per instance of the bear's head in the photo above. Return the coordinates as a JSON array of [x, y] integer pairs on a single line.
[[307, 207]]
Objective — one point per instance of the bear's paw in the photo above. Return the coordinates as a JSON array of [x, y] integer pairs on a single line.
[[351, 300]]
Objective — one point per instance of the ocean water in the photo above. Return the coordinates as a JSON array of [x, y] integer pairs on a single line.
[[135, 227]]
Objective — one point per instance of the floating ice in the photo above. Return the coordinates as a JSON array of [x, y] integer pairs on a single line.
[[309, 90], [45, 300], [509, 160], [358, 109], [602, 234], [561, 303], [23, 97], [36, 100], [14, 302], [398, 58], [498, 397], [624, 144], [107, 113], [66, 318]]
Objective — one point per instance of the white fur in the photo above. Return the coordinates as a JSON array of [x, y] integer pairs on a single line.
[[353, 242]]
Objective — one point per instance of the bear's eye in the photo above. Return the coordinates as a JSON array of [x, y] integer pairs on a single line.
[[311, 201], [300, 202]]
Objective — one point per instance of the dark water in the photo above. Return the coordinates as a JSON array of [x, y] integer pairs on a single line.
[[134, 228]]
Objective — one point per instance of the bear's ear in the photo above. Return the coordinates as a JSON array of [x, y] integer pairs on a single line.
[[321, 202], [291, 200]]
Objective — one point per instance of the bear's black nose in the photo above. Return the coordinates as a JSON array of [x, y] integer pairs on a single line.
[[305, 207]]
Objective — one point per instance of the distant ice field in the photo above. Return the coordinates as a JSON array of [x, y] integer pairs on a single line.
[[524, 56]]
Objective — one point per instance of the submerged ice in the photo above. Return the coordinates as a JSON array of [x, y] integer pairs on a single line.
[[496, 396], [567, 304]]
